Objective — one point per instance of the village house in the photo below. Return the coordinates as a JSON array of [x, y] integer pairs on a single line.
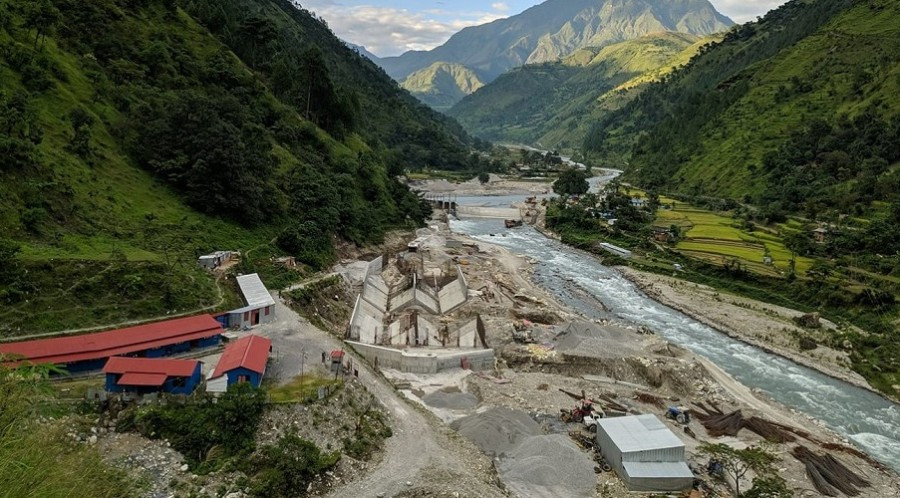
[[259, 304], [820, 235], [216, 259], [151, 375], [244, 360], [662, 234]]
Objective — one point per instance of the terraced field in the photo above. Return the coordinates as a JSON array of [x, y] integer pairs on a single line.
[[716, 239]]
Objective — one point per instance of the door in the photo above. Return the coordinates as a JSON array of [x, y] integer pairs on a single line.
[[255, 317]]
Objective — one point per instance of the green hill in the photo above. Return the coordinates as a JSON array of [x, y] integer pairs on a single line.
[[136, 135], [554, 104], [790, 125], [441, 84], [729, 123]]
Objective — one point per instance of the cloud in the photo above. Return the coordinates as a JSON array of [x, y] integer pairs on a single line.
[[500, 6], [742, 11], [387, 31]]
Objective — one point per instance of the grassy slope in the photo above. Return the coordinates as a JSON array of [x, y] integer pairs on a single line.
[[115, 243], [79, 281], [552, 103], [756, 123]]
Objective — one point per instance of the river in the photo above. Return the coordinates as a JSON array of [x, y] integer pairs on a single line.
[[870, 421]]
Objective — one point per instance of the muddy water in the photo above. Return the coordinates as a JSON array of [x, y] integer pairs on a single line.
[[868, 420]]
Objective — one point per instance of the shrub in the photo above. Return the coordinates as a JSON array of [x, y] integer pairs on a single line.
[[290, 465]]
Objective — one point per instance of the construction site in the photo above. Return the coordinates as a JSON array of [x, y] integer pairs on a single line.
[[571, 406], [412, 315]]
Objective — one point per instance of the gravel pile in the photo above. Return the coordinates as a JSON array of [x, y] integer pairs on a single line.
[[498, 430], [450, 400], [548, 466]]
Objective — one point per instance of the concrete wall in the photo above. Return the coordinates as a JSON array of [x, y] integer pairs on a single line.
[[428, 300], [366, 323], [375, 295], [375, 266], [466, 333], [455, 293], [385, 357]]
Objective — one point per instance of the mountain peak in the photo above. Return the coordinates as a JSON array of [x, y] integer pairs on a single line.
[[555, 29]]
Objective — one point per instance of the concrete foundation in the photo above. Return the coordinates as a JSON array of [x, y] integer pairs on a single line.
[[425, 361]]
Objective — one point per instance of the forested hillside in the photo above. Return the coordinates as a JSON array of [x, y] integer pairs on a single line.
[[554, 104], [137, 134], [796, 113]]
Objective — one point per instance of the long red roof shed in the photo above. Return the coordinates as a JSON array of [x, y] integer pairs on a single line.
[[148, 371], [61, 350], [251, 352]]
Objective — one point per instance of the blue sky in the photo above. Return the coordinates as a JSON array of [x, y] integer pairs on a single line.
[[391, 27]]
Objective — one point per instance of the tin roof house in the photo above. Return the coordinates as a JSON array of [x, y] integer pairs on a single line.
[[645, 454], [259, 305]]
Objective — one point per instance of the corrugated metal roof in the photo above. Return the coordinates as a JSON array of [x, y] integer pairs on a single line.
[[657, 469], [639, 432], [251, 352], [142, 379], [60, 350], [172, 368], [255, 293]]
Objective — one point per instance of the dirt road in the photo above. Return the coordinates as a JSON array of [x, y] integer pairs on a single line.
[[422, 457]]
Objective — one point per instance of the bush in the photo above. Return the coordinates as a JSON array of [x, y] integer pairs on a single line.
[[206, 431], [288, 466]]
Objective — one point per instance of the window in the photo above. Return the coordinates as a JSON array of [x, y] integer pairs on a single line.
[[243, 378], [179, 382], [246, 316], [267, 311]]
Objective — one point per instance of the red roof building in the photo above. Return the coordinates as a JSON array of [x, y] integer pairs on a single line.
[[244, 360], [151, 375], [90, 351], [251, 352]]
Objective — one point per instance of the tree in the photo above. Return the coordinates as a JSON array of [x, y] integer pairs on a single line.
[[484, 177], [41, 16], [737, 463], [769, 486], [81, 140], [571, 182]]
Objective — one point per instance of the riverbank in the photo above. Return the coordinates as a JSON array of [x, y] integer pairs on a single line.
[[766, 326], [759, 324]]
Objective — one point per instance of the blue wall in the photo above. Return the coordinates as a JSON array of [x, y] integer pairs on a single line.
[[253, 377], [89, 365], [168, 387]]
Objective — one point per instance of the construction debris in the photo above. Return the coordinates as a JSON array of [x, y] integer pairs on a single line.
[[720, 424], [828, 474]]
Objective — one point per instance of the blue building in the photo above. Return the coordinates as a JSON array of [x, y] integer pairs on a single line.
[[244, 360], [86, 352], [149, 375]]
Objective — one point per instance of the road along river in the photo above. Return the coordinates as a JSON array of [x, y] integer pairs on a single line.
[[868, 420]]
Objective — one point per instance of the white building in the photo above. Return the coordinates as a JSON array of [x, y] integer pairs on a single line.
[[259, 305], [645, 454]]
